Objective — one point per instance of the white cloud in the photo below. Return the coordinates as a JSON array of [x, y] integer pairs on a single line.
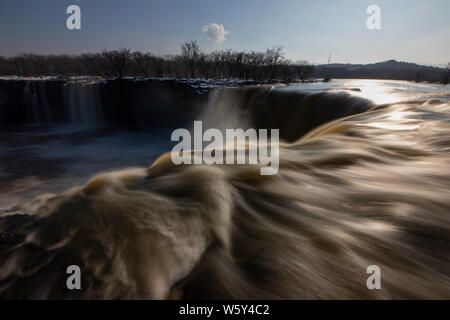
[[215, 32]]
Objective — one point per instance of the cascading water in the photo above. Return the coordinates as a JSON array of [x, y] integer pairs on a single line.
[[36, 103], [368, 188], [294, 112], [83, 104]]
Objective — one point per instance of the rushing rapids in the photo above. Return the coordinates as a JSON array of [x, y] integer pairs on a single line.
[[370, 188]]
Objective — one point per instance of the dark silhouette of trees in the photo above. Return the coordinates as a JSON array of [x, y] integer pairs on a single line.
[[190, 63], [272, 59], [118, 60], [190, 52], [305, 70], [143, 63]]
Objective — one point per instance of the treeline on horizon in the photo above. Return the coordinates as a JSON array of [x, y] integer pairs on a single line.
[[191, 63]]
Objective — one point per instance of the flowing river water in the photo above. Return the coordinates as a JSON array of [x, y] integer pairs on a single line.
[[364, 180]]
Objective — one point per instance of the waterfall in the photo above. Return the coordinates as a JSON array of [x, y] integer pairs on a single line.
[[37, 108], [83, 103], [295, 113]]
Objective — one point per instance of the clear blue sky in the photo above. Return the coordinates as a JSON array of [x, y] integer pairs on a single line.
[[412, 30]]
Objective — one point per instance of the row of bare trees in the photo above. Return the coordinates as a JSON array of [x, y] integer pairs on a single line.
[[191, 63]]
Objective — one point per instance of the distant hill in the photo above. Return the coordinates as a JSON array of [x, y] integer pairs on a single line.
[[390, 69]]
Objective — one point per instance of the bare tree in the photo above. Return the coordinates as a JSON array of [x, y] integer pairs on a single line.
[[272, 57], [216, 60], [19, 63], [143, 62], [304, 70], [92, 64], [190, 51], [118, 60]]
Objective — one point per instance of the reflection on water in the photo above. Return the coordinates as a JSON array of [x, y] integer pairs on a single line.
[[48, 159], [381, 91]]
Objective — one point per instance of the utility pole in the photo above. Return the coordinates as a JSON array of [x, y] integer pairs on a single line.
[[327, 77]]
